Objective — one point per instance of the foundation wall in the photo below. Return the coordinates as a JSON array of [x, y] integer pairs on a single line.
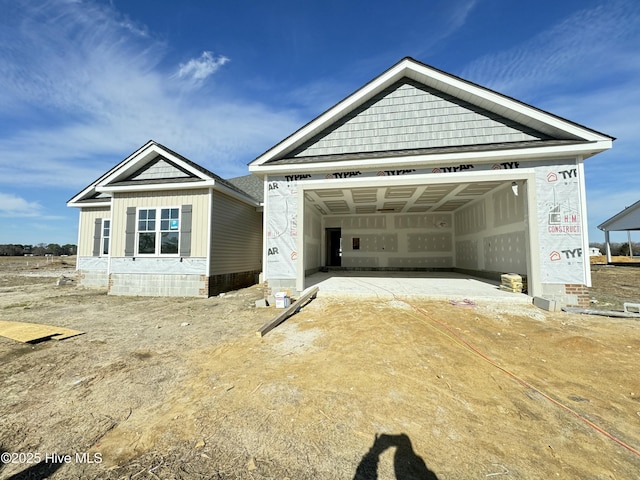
[[232, 281], [158, 285], [93, 271], [569, 294]]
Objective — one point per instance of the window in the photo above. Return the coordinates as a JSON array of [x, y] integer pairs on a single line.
[[169, 234], [106, 235], [158, 231]]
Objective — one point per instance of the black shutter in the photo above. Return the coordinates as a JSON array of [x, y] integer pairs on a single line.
[[130, 233], [97, 234], [185, 231]]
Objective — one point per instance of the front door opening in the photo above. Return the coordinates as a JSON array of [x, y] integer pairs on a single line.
[[334, 247]]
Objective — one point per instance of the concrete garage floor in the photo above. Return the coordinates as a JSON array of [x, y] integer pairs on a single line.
[[432, 285]]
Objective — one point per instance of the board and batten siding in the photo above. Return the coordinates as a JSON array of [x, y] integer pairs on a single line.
[[236, 242], [198, 199], [87, 227]]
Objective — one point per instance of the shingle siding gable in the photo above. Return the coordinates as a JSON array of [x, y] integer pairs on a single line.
[[409, 116], [159, 169]]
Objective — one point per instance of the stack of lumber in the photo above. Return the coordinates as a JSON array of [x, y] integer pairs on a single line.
[[512, 282]]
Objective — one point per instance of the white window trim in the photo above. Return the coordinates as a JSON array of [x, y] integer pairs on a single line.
[[158, 231], [102, 237]]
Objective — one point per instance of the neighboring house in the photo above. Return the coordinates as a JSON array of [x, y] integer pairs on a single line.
[[625, 221], [159, 224], [594, 252], [422, 170]]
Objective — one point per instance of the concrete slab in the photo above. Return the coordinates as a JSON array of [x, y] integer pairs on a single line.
[[432, 285]]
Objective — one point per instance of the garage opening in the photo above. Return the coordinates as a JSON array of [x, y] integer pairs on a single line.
[[475, 228]]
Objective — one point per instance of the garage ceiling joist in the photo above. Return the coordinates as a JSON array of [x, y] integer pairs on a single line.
[[398, 199]]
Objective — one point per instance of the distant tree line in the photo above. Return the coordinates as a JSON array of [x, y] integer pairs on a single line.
[[17, 250], [618, 249]]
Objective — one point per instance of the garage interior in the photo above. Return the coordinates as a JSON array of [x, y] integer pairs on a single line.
[[477, 228]]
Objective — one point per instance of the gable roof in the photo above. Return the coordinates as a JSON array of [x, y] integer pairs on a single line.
[[627, 219], [414, 110], [153, 167]]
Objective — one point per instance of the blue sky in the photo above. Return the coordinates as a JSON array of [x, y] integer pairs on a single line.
[[85, 83]]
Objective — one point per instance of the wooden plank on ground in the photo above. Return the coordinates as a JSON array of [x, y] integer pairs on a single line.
[[33, 332], [306, 296], [604, 313], [67, 333]]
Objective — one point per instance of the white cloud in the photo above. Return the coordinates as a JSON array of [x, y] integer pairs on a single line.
[[81, 87], [14, 206], [460, 14], [591, 44], [196, 70]]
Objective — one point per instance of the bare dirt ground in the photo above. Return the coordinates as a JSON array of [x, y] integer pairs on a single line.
[[345, 389], [614, 285]]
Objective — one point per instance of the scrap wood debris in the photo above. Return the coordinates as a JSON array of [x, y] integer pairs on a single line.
[[34, 332]]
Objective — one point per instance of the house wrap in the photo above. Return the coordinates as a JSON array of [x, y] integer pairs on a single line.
[[422, 170], [417, 170]]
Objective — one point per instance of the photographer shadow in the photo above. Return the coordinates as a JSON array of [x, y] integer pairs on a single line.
[[407, 465]]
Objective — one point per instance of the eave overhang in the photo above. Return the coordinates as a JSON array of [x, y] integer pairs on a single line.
[[155, 187], [610, 224], [89, 204], [400, 159]]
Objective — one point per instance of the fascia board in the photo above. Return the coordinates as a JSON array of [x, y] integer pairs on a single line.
[[345, 106], [498, 103], [438, 159], [90, 188], [618, 216], [129, 165], [87, 191], [156, 187], [178, 186], [186, 166], [88, 204], [140, 157]]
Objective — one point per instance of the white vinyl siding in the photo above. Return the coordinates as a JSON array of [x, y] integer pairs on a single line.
[[236, 244]]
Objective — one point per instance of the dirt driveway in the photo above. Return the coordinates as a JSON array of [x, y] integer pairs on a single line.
[[373, 389]]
